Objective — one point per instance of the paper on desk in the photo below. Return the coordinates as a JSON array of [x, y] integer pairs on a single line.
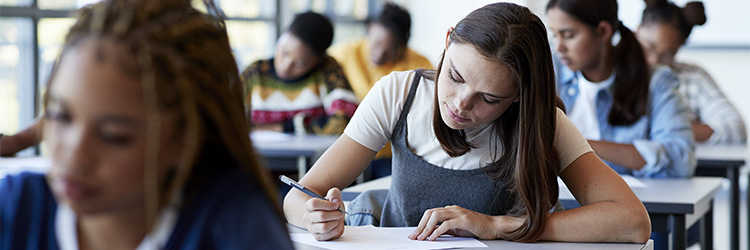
[[377, 238]]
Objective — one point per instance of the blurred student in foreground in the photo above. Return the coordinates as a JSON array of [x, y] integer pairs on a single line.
[[145, 126]]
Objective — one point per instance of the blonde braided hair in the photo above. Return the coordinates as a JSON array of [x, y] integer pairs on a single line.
[[185, 65]]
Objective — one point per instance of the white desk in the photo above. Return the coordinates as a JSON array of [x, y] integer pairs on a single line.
[[726, 161], [671, 203], [283, 150], [502, 244]]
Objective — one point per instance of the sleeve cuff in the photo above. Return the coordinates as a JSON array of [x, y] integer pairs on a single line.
[[650, 152]]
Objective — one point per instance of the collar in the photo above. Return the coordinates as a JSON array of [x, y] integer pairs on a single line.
[[67, 234]]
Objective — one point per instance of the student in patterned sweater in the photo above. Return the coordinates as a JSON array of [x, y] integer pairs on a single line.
[[300, 79]]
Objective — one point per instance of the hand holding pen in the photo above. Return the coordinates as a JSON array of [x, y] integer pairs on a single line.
[[294, 184]]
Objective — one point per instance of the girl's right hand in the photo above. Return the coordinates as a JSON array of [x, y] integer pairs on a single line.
[[323, 219]]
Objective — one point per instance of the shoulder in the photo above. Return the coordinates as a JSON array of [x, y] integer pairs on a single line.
[[663, 79], [27, 212], [398, 83], [232, 212], [330, 63], [28, 187], [417, 59], [569, 141], [690, 72], [257, 67], [344, 48]]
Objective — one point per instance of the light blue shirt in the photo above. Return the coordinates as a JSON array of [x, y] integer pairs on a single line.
[[663, 136]]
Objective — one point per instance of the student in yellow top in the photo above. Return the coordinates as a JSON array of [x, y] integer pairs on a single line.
[[384, 50]]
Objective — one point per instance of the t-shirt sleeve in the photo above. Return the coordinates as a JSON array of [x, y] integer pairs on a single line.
[[569, 142], [377, 114]]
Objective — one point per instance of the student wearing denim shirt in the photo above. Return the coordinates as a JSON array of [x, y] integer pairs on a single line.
[[643, 137]]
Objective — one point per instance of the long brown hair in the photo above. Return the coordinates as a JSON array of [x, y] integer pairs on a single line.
[[632, 80], [528, 166], [185, 66]]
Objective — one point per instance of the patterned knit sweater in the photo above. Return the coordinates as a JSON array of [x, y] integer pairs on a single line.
[[322, 95]]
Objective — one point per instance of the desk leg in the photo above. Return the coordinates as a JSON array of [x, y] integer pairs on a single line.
[[734, 207], [301, 167], [679, 232], [707, 229]]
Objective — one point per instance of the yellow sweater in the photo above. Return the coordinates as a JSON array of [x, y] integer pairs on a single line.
[[354, 58]]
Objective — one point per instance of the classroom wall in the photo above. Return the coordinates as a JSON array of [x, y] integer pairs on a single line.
[[728, 62]]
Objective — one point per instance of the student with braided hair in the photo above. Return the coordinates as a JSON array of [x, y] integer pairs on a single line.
[[301, 79], [149, 144], [665, 28]]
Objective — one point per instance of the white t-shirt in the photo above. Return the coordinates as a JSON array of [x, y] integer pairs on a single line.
[[377, 115], [583, 112]]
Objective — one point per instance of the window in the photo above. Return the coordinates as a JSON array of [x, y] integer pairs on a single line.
[[349, 17], [16, 71], [32, 33]]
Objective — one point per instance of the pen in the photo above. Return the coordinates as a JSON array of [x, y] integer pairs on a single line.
[[294, 184]]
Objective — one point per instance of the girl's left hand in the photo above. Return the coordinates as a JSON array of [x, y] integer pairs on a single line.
[[462, 222]]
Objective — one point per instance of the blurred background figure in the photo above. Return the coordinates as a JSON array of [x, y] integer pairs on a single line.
[[664, 29], [300, 79], [12, 144], [383, 51]]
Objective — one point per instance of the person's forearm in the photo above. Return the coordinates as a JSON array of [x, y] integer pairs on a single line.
[[702, 131], [606, 221], [620, 154], [12, 144]]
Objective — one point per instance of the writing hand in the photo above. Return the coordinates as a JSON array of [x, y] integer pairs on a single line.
[[323, 219]]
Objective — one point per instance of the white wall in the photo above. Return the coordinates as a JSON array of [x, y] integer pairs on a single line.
[[431, 20], [728, 63]]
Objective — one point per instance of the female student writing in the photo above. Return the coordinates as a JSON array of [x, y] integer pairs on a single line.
[[664, 29], [634, 118], [486, 162], [301, 79], [149, 145]]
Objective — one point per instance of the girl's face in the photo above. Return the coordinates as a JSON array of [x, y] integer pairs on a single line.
[[96, 131], [292, 57], [660, 42], [577, 44], [472, 89]]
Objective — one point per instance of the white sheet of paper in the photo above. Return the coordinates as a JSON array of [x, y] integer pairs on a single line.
[[384, 238]]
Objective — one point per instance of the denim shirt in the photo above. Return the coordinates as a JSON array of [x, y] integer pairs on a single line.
[[663, 136]]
